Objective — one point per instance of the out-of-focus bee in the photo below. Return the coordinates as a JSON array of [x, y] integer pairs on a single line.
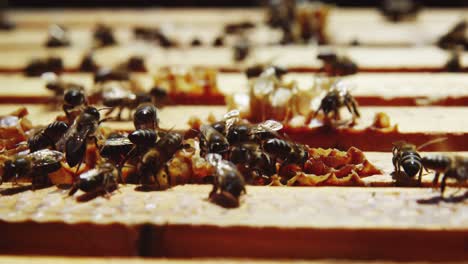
[[83, 129], [103, 36], [58, 37], [241, 50], [115, 96], [146, 117], [95, 182], [398, 10], [132, 64], [335, 65], [39, 66], [239, 133], [73, 94], [455, 167], [228, 182], [406, 156], [255, 70], [88, 64], [336, 98], [454, 61], [457, 36], [36, 165], [48, 136]]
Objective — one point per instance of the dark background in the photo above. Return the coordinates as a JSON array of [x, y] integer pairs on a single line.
[[200, 3]]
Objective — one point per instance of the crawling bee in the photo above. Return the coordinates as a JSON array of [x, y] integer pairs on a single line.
[[228, 183], [115, 149], [146, 117], [255, 162], [286, 151], [255, 70], [334, 65], [241, 50], [455, 167], [95, 182], [239, 133], [88, 64], [115, 96], [74, 99], [75, 140], [335, 99], [72, 94], [48, 136], [36, 165], [406, 156]]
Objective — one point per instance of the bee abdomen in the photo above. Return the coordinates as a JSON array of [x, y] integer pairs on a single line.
[[436, 162], [143, 137], [277, 147], [56, 130], [411, 163]]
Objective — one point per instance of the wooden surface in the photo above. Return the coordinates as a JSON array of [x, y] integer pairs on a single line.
[[297, 58], [379, 89], [389, 220]]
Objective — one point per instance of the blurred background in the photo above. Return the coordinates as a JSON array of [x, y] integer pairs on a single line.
[[200, 3]]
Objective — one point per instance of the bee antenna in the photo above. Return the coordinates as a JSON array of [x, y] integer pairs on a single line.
[[430, 142]]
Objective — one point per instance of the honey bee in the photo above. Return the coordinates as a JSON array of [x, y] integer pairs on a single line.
[[48, 136], [228, 183], [115, 96], [256, 70], [36, 165], [95, 182], [88, 63], [455, 167], [146, 117], [212, 141], [406, 156], [75, 140], [103, 36], [334, 65], [255, 162], [245, 132], [241, 50], [336, 98], [115, 149], [286, 151], [37, 67]]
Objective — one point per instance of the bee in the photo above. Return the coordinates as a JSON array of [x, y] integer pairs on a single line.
[[88, 64], [104, 36], [108, 74], [253, 159], [337, 65], [228, 183], [39, 66], [114, 96], [75, 140], [397, 10], [336, 98], [255, 71], [95, 182], [455, 167], [36, 165], [406, 156], [146, 117], [286, 151], [212, 141], [58, 37], [48, 136], [238, 133], [454, 61], [455, 37], [74, 98], [241, 50], [115, 148]]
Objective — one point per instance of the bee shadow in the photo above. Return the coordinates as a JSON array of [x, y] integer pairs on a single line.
[[439, 199], [22, 188]]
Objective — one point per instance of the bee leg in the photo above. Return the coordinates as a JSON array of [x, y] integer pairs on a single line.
[[442, 185], [66, 109], [119, 114], [436, 179], [78, 168], [109, 112], [420, 176], [73, 190]]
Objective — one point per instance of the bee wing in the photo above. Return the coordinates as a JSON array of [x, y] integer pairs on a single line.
[[60, 145], [45, 157], [214, 159], [231, 117], [267, 126]]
